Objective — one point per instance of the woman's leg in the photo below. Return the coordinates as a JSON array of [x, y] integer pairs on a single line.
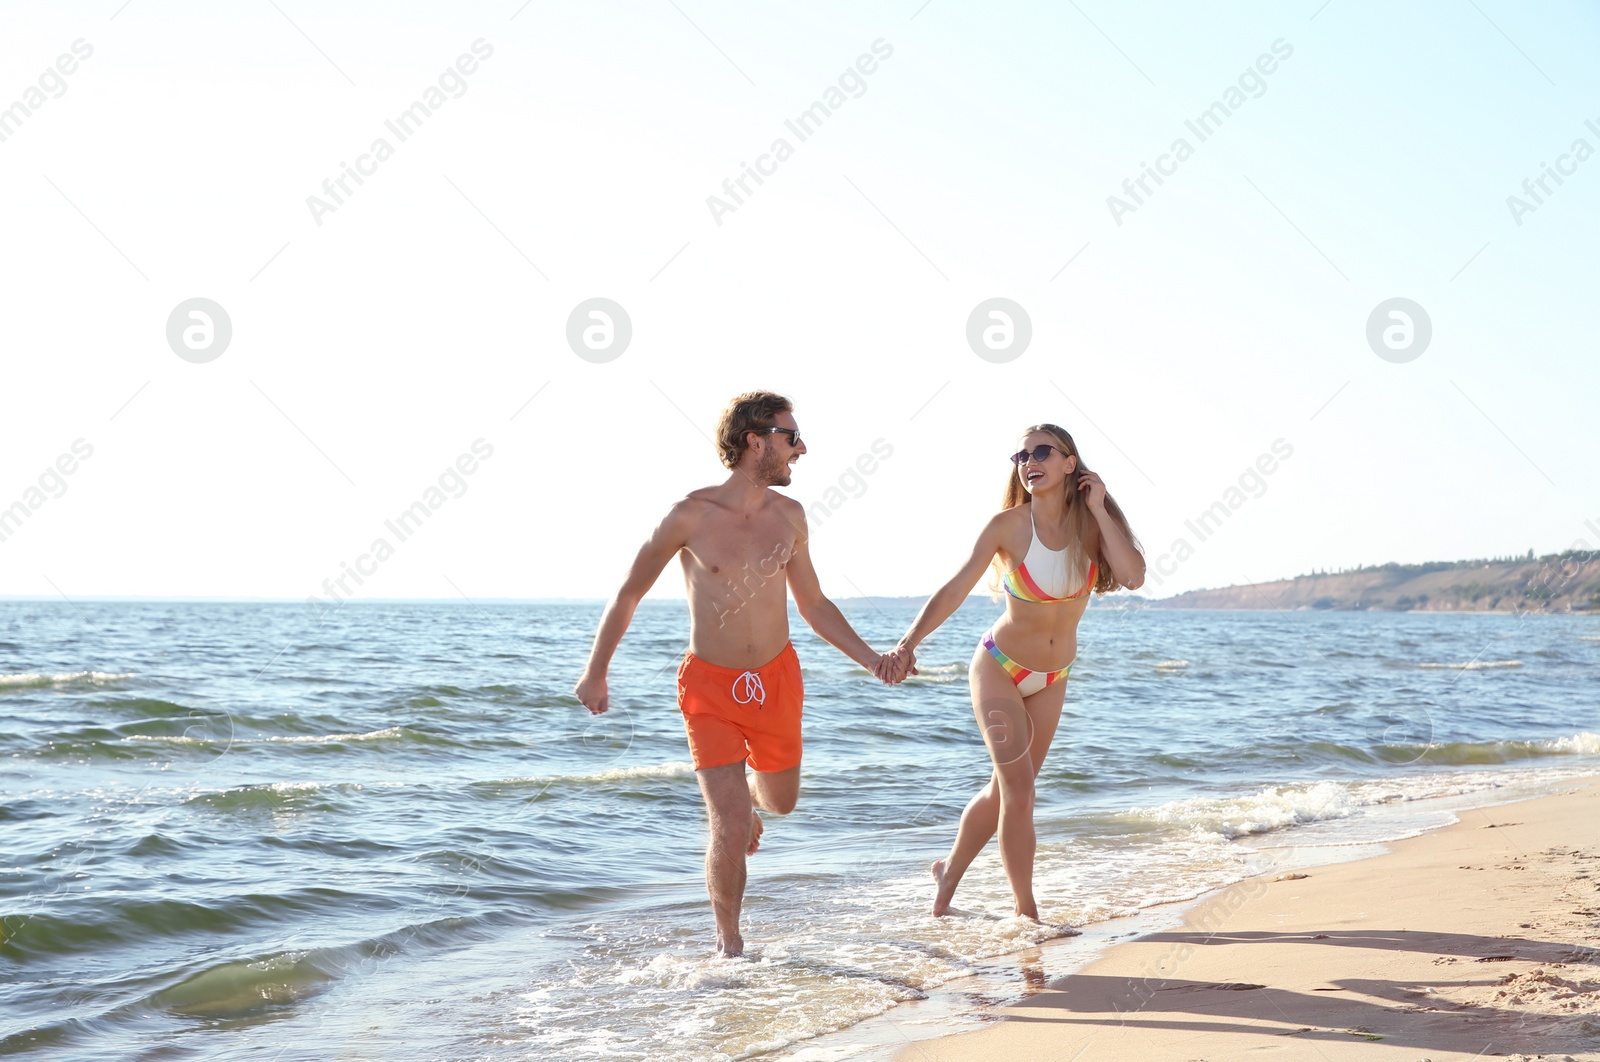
[[981, 817], [1008, 722], [1044, 715], [979, 820]]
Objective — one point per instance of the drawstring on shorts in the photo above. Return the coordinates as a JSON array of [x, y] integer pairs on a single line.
[[747, 687]]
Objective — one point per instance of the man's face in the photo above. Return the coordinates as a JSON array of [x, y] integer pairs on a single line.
[[772, 470]]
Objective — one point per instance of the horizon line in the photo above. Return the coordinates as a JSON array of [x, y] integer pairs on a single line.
[[230, 599]]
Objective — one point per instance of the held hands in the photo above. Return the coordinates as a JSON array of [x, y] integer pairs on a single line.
[[892, 668]]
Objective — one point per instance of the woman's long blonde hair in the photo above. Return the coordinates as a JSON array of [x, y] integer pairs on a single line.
[[1078, 518]]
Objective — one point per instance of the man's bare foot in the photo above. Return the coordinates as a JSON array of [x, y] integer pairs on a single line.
[[729, 947], [756, 830], [944, 891]]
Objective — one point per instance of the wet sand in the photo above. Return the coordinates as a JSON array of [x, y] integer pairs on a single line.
[[1479, 940]]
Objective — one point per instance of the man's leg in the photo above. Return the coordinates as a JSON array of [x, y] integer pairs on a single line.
[[728, 809], [774, 791], [775, 741]]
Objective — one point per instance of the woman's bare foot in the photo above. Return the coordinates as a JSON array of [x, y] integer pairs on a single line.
[[756, 830], [945, 890]]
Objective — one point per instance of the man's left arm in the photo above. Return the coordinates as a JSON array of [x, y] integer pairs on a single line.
[[822, 615]]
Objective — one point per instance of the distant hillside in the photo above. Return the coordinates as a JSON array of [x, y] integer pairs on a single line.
[[1559, 582]]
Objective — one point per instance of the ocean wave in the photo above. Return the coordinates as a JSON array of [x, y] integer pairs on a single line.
[[36, 679], [244, 986], [1172, 665], [937, 674], [80, 927], [238, 988], [152, 707], [274, 796], [388, 733], [235, 989], [1475, 665], [1272, 808], [1281, 807], [675, 769], [1584, 744], [208, 732], [1473, 753]]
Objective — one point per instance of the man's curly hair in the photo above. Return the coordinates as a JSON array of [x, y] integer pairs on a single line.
[[748, 412]]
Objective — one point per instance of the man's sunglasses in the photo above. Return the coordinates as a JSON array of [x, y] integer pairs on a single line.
[[792, 433], [1038, 453]]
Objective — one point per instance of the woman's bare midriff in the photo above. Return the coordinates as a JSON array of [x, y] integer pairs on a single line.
[[1040, 636]]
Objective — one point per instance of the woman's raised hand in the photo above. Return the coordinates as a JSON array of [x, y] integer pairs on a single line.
[[1093, 490]]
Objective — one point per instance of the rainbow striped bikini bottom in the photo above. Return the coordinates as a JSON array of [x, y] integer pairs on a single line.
[[1028, 681]]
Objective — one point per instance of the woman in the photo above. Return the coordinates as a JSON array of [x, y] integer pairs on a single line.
[[1059, 536]]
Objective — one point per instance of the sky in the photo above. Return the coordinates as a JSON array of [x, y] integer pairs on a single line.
[[1221, 340]]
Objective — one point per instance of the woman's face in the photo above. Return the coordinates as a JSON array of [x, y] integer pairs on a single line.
[[1048, 474]]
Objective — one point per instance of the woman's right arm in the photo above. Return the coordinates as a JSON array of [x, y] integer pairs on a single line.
[[948, 598]]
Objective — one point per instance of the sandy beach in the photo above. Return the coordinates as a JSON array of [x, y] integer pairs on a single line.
[[1479, 940]]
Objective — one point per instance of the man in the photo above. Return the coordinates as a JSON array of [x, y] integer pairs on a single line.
[[739, 685]]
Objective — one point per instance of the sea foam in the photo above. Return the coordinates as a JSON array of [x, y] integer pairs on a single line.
[[1271, 808], [1475, 665], [675, 769], [37, 678]]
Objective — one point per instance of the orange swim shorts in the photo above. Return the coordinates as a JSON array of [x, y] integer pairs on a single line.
[[734, 715]]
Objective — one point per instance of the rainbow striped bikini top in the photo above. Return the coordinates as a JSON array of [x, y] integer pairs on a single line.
[[1042, 575]]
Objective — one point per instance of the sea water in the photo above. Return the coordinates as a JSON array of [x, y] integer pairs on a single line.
[[246, 831]]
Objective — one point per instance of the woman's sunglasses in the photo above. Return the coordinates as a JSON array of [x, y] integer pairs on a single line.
[[1038, 453]]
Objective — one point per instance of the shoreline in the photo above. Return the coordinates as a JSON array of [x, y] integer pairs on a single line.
[[979, 998], [1475, 939]]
